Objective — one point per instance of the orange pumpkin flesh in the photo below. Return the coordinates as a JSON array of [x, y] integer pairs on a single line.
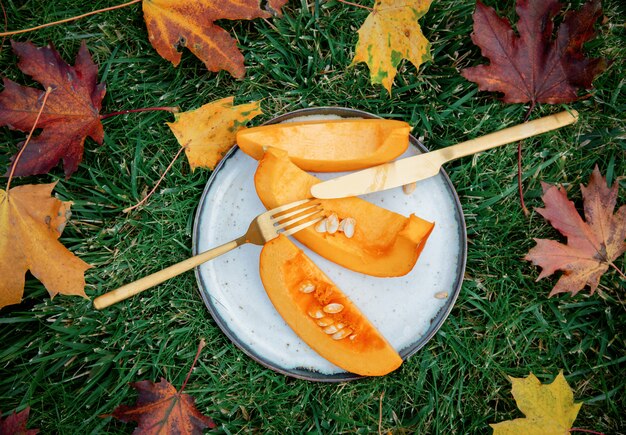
[[330, 146], [320, 314], [384, 244]]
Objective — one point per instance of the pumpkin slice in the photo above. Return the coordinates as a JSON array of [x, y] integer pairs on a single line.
[[320, 314], [384, 243], [330, 145]]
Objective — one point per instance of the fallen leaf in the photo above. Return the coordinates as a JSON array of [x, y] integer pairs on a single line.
[[175, 24], [71, 112], [209, 132], [31, 221], [592, 245], [160, 409], [15, 424], [535, 66], [549, 409], [389, 34]]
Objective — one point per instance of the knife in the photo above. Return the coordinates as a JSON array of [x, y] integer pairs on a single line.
[[411, 169]]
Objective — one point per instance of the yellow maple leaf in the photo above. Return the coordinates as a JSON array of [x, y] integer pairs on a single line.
[[208, 132], [389, 34], [549, 409], [31, 221]]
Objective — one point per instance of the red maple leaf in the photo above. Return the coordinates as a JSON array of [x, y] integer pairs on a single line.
[[592, 244], [535, 67], [15, 424], [162, 409], [71, 112]]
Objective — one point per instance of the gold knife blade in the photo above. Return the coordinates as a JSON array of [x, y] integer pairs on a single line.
[[411, 169]]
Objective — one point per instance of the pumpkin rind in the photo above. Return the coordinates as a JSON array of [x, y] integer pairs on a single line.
[[324, 318], [384, 243], [330, 145]]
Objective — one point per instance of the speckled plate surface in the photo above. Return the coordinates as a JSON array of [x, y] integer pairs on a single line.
[[404, 309]]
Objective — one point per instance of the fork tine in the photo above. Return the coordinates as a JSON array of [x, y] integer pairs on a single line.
[[299, 218], [299, 210], [289, 206], [302, 226]]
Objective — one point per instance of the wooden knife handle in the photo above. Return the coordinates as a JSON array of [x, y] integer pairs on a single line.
[[508, 135]]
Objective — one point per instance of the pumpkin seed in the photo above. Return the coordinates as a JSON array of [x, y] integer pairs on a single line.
[[330, 329], [325, 321], [343, 333], [409, 188], [307, 287], [348, 226], [316, 313], [333, 308], [320, 227], [441, 295], [332, 224]]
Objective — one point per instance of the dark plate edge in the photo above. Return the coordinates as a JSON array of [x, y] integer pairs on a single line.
[[305, 374]]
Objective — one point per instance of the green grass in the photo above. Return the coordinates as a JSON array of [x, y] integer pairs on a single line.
[[72, 364]]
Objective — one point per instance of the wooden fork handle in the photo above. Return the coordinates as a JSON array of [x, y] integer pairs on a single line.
[[133, 288]]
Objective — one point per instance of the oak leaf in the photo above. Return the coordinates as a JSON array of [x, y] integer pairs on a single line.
[[549, 409], [160, 409], [535, 67], [208, 132], [31, 221], [592, 244], [174, 24], [15, 424], [389, 34], [71, 112]]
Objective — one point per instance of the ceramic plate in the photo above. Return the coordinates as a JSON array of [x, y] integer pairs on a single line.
[[404, 309]]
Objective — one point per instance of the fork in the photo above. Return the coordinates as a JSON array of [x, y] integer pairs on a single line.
[[287, 219]]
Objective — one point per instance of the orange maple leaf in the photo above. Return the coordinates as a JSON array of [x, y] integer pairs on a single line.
[[592, 245], [174, 24], [31, 221]]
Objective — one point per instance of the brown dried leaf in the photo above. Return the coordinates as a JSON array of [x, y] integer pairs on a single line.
[[72, 111], [592, 245], [160, 409], [535, 66], [15, 424]]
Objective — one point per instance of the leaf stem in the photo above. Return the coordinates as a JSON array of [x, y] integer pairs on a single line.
[[6, 24], [17, 32], [355, 5], [623, 275], [520, 187], [17, 158], [200, 346], [126, 210], [145, 109], [577, 429]]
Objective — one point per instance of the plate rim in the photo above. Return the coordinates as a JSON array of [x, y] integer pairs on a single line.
[[435, 322]]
